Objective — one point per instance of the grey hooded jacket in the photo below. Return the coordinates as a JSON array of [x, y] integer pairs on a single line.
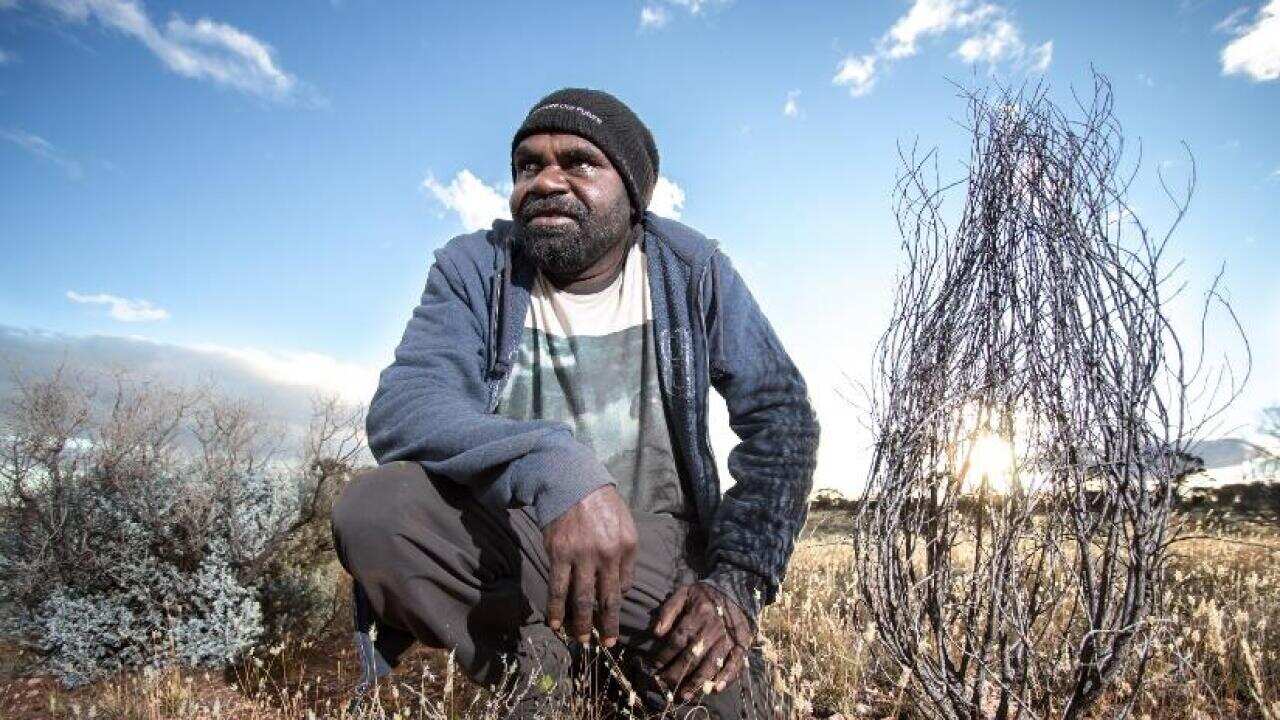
[[435, 404]]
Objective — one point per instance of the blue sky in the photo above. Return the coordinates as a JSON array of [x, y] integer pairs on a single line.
[[266, 182]]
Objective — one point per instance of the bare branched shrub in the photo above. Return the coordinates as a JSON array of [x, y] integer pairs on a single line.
[[1032, 406], [142, 524]]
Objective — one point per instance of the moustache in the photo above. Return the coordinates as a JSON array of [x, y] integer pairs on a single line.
[[558, 205]]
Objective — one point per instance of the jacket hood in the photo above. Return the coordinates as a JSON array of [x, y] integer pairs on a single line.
[[690, 245]]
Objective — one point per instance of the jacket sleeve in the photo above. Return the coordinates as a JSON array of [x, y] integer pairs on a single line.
[[430, 407], [759, 518]]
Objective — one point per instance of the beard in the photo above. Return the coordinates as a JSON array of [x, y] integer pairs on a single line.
[[566, 250]]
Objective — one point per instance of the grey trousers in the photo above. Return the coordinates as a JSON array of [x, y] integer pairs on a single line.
[[436, 566]]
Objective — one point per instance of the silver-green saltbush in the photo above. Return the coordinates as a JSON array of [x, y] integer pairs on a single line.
[[156, 532], [131, 606]]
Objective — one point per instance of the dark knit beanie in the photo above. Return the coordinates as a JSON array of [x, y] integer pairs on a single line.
[[608, 123]]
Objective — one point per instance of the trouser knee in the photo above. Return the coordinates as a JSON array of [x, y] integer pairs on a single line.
[[365, 514]]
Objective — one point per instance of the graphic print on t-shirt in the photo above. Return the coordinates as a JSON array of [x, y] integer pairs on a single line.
[[589, 361]]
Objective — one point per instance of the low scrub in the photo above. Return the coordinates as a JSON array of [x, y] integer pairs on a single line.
[[143, 525]]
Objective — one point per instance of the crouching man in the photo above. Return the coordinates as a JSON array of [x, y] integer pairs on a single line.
[[545, 477]]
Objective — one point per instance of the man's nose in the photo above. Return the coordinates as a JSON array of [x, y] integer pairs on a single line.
[[550, 180]]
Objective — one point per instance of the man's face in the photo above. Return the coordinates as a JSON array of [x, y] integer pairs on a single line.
[[569, 204]]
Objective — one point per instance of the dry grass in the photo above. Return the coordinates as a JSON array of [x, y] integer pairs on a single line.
[[1217, 655]]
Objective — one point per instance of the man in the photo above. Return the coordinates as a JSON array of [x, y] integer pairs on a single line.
[[542, 440]]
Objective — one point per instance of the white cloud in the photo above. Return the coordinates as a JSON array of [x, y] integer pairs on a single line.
[[993, 45], [654, 16], [925, 18], [44, 150], [1041, 57], [476, 203], [1146, 79], [353, 382], [283, 381], [668, 198], [204, 50], [1231, 24], [122, 309], [1256, 49], [990, 37], [859, 73], [657, 13], [7, 57], [791, 108], [697, 7]]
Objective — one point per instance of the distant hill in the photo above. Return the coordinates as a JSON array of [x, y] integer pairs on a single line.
[[1226, 452], [1235, 480]]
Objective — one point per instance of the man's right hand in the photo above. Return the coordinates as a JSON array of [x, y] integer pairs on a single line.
[[592, 548]]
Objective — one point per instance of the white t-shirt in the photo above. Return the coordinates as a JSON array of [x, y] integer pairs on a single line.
[[589, 360]]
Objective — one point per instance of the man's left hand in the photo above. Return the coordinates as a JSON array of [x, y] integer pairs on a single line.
[[705, 640]]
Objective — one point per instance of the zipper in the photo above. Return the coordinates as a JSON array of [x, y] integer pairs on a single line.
[[496, 393], [495, 333], [495, 295]]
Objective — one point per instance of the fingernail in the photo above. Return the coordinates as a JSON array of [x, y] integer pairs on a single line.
[[707, 687]]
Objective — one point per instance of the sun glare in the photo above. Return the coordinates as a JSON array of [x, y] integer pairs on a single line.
[[990, 462]]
